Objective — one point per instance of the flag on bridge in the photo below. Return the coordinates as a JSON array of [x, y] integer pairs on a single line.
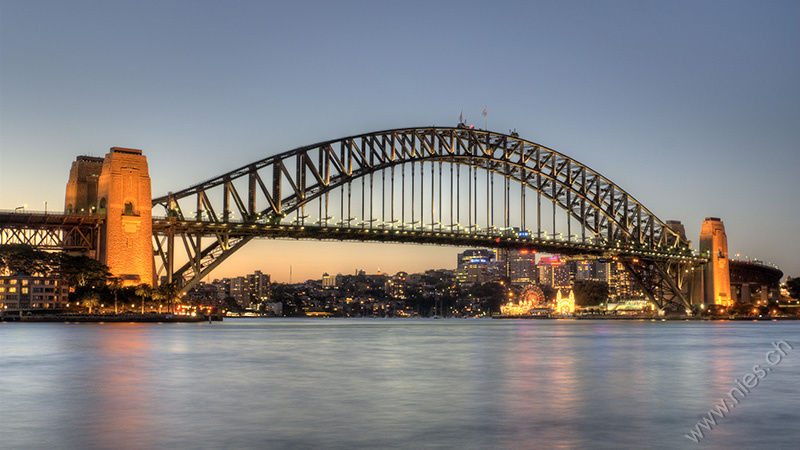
[[484, 111]]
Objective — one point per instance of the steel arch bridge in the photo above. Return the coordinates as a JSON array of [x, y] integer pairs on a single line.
[[441, 185]]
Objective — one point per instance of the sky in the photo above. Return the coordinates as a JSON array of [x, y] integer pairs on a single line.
[[693, 107]]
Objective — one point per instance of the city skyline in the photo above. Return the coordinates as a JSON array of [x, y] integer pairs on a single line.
[[690, 108]]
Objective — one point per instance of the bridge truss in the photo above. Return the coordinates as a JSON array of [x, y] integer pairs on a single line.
[[73, 232], [453, 186]]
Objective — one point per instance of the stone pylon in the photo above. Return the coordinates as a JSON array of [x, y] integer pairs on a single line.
[[716, 273], [117, 188]]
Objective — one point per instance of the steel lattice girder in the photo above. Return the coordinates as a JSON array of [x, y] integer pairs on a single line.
[[296, 177], [50, 231], [663, 282]]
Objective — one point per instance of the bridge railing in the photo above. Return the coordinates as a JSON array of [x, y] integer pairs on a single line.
[[756, 262], [31, 212]]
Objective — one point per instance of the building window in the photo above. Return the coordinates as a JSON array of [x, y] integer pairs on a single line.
[[128, 209]]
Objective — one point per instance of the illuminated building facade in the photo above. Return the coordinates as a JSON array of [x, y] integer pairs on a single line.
[[473, 266], [237, 288], [28, 292], [565, 305], [522, 267], [554, 272], [475, 256], [258, 286], [591, 270], [328, 282], [397, 286]]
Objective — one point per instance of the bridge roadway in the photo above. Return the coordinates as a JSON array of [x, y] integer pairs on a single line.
[[753, 276], [492, 238], [50, 231]]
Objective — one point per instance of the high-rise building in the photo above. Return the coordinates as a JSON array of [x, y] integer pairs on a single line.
[[397, 286], [554, 272], [328, 282], [603, 271], [582, 270], [239, 291], [499, 267], [480, 256], [591, 270], [473, 266], [522, 267], [258, 285], [622, 285]]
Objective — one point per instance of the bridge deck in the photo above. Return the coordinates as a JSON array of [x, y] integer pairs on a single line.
[[38, 219], [50, 231], [459, 238]]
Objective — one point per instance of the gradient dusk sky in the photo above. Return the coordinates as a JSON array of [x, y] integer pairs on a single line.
[[693, 107]]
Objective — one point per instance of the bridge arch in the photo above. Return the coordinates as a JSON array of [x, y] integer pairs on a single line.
[[265, 194]]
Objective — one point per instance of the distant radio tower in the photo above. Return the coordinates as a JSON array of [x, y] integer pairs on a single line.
[[290, 274]]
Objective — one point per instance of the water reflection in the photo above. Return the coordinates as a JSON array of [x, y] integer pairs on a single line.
[[119, 383], [253, 383]]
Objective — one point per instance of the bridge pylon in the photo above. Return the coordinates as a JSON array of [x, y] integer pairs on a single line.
[[117, 188], [716, 272]]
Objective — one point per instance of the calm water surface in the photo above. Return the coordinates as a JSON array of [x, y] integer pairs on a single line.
[[350, 383]]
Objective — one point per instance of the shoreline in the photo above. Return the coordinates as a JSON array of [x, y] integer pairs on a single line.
[[172, 318], [649, 317], [119, 318]]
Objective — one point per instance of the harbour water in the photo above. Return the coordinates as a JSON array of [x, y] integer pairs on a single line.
[[410, 383]]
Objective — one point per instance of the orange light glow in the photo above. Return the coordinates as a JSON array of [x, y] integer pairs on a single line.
[[532, 297], [565, 305]]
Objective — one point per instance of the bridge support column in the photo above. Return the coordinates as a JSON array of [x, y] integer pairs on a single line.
[[698, 287], [745, 297], [665, 285]]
